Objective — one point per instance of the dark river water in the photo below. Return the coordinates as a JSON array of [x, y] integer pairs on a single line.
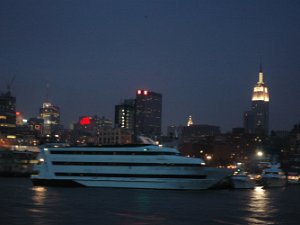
[[23, 203]]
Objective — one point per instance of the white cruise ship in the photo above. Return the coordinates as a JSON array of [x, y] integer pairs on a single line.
[[129, 166]]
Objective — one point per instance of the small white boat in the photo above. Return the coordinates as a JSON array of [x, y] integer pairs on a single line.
[[242, 180], [273, 177]]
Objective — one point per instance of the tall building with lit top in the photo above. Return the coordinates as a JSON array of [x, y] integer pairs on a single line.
[[51, 116], [190, 121], [148, 111], [256, 121]]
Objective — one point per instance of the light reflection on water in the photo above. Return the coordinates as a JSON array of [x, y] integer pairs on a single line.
[[143, 213], [37, 210], [21, 203], [39, 195], [45, 203], [260, 207], [136, 219]]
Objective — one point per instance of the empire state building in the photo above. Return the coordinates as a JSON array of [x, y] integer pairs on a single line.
[[256, 121]]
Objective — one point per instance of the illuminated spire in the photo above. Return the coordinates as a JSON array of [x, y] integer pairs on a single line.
[[47, 91], [260, 90], [261, 75], [190, 121], [261, 78]]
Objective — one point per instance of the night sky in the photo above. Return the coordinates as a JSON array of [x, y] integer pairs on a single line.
[[203, 56]]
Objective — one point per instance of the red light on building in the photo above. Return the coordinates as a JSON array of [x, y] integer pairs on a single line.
[[18, 113], [139, 92], [145, 92], [85, 120]]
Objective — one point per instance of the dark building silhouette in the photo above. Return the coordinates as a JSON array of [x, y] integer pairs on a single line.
[[99, 131], [124, 114], [7, 113], [91, 124], [194, 133], [148, 111], [256, 121], [36, 126]]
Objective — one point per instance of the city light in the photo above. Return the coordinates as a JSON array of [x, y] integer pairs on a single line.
[[142, 92], [85, 120], [11, 137], [259, 153], [209, 157]]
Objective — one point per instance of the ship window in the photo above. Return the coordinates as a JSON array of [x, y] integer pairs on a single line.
[[62, 163], [78, 152], [134, 175]]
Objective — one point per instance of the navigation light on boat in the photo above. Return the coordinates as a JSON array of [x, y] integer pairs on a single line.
[[41, 160]]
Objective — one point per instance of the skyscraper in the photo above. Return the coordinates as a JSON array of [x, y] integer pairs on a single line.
[[190, 121], [257, 119], [7, 113], [124, 114], [148, 111], [51, 116]]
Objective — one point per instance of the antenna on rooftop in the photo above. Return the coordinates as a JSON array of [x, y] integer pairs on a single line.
[[47, 91], [10, 83], [260, 64]]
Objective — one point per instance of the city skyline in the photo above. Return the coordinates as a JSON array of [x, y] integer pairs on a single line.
[[203, 57]]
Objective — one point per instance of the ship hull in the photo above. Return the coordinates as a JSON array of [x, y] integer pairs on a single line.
[[175, 184], [243, 183], [271, 182]]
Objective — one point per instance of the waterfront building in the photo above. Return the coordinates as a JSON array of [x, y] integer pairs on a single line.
[[20, 120], [36, 126], [114, 136], [192, 134], [148, 111], [89, 128], [7, 114], [174, 132], [125, 114], [256, 120], [51, 116], [90, 124], [173, 136]]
